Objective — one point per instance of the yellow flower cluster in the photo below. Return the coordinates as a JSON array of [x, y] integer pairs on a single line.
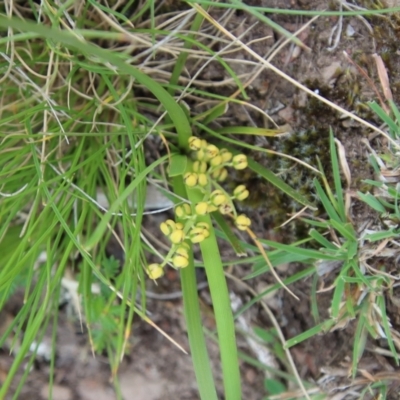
[[211, 163], [177, 234], [208, 169]]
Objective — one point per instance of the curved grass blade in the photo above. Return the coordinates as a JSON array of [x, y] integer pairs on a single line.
[[279, 183]]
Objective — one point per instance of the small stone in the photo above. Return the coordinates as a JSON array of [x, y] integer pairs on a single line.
[[350, 31]]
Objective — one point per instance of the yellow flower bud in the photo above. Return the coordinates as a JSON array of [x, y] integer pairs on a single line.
[[180, 261], [183, 210], [239, 161], [223, 175], [182, 250], [196, 235], [241, 192], [201, 208], [226, 155], [204, 143], [225, 208], [217, 198], [242, 222], [190, 179], [177, 236], [216, 173], [194, 143], [203, 180], [220, 174], [205, 227], [211, 151], [200, 166], [178, 225], [215, 161], [200, 155], [167, 227], [155, 271]]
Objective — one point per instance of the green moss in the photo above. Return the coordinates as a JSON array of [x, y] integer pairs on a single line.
[[307, 145]]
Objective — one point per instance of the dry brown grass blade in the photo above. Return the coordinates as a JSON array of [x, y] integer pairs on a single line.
[[343, 162], [150, 322], [347, 174], [383, 77]]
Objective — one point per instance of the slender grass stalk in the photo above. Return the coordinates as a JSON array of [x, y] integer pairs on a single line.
[[198, 348], [222, 309]]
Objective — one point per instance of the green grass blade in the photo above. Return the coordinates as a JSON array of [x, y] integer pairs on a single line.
[[322, 327], [396, 113], [322, 240], [346, 230], [329, 208], [379, 236], [198, 348], [222, 309], [384, 117], [312, 254], [248, 130], [372, 201], [177, 165], [276, 259], [337, 296], [213, 113], [279, 183], [387, 329], [291, 279]]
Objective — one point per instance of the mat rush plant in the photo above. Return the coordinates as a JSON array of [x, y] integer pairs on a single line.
[[51, 174], [208, 169], [78, 106], [63, 163]]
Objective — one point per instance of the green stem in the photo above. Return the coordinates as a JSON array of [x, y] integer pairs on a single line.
[[198, 348], [222, 308]]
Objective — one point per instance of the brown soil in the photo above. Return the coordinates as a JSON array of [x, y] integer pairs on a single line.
[[155, 369]]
